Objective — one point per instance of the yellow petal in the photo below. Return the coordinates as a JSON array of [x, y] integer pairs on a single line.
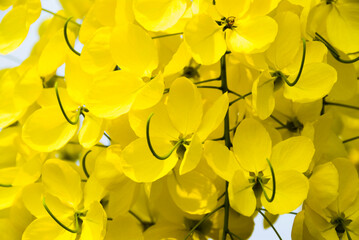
[[134, 50], [233, 8], [241, 195], [184, 106], [91, 131], [294, 153], [62, 181], [220, 159], [78, 82], [192, 155], [150, 94], [158, 15], [252, 145], [124, 227], [140, 165], [316, 81], [213, 117], [54, 53], [94, 224], [205, 39], [120, 130], [44, 135], [95, 55], [193, 192], [32, 198], [291, 190], [112, 94], [46, 228], [283, 50], [263, 95], [252, 35], [76, 9], [13, 29], [323, 186]]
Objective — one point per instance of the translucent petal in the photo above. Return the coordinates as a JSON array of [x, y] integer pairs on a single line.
[[241, 195], [316, 81], [62, 181], [323, 186], [213, 117], [205, 39], [150, 94], [157, 15], [91, 131], [44, 135], [120, 130], [343, 26], [294, 153], [184, 106], [252, 35], [54, 53], [95, 55], [220, 159], [263, 95], [252, 145], [140, 165], [124, 227], [291, 190], [228, 8], [94, 224], [32, 198], [134, 50], [193, 192], [46, 228], [192, 155], [13, 29], [112, 94], [283, 50]]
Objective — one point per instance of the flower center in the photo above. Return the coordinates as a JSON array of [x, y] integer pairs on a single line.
[[341, 223]]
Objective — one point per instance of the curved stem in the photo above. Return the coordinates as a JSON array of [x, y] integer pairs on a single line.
[[58, 221], [63, 110], [84, 164], [201, 221], [278, 121], [210, 87], [269, 222], [67, 39], [150, 145], [348, 235], [208, 80], [334, 52], [234, 235], [291, 84], [341, 105], [274, 184], [5, 185]]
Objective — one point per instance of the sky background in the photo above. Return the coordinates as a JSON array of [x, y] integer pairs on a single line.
[[13, 59]]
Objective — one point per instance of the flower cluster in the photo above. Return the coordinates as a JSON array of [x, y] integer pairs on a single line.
[[213, 112]]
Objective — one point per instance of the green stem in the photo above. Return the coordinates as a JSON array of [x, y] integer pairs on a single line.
[[348, 235], [334, 52], [167, 35], [150, 144], [67, 39], [210, 87], [201, 221], [57, 15], [274, 184], [278, 121], [107, 136], [234, 235], [5, 185], [84, 164], [239, 98], [341, 105], [351, 139], [208, 80], [291, 84], [58, 221], [63, 110], [269, 222]]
